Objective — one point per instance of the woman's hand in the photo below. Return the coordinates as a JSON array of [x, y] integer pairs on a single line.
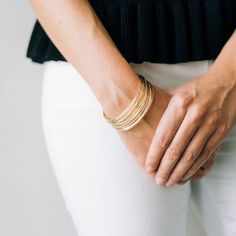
[[201, 172], [199, 115], [138, 139]]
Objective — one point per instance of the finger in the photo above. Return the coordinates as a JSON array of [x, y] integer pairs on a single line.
[[201, 172], [190, 154], [183, 136], [208, 149], [165, 131], [206, 167]]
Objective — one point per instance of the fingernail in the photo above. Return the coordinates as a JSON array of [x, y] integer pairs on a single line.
[[149, 169], [169, 183], [160, 181]]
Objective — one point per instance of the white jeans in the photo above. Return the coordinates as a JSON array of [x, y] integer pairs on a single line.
[[105, 191]]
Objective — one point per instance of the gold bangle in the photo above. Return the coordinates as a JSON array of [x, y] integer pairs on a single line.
[[127, 109], [137, 108], [133, 113], [141, 113], [136, 113]]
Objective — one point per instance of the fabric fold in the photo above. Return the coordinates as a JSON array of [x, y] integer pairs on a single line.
[[161, 31]]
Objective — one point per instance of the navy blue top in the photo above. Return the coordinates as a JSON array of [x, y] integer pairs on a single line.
[[162, 31]]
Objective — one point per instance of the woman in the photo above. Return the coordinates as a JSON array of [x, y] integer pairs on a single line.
[[115, 181]]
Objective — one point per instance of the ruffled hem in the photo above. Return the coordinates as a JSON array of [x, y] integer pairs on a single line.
[[160, 31]]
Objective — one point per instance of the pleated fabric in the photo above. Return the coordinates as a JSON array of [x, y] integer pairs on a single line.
[[161, 31]]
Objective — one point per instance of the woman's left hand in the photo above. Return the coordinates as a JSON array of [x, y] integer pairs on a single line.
[[199, 115]]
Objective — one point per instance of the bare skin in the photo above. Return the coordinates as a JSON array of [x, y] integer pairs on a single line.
[[76, 31], [204, 111], [138, 142]]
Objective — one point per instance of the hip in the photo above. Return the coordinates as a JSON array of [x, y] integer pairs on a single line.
[[65, 88]]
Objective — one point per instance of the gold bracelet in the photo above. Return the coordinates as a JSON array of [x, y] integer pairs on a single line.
[[140, 113], [124, 113], [137, 108], [133, 103], [132, 113], [136, 113]]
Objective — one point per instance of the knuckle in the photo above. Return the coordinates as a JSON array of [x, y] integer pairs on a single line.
[[181, 101], [196, 114], [173, 154], [213, 121], [223, 128], [189, 158], [162, 140]]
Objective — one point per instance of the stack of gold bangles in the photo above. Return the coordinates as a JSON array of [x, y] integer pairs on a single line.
[[137, 108]]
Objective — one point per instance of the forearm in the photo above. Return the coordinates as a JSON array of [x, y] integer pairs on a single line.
[[77, 32], [224, 66], [223, 69]]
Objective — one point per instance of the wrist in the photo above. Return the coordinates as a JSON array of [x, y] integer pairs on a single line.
[[118, 95]]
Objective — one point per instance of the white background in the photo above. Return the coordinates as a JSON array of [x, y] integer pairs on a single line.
[[30, 201]]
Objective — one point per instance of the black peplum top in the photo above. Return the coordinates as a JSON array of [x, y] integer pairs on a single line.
[[161, 31]]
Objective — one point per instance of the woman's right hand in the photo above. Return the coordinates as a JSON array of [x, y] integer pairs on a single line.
[[138, 139]]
